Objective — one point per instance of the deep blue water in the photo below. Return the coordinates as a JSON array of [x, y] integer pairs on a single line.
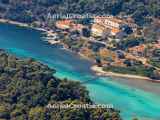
[[132, 102]]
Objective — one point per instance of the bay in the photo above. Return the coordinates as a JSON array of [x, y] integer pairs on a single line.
[[132, 97]]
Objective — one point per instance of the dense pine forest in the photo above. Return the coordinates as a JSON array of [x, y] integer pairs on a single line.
[[27, 87], [36, 10]]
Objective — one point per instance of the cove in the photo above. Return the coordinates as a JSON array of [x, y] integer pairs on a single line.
[[130, 99]]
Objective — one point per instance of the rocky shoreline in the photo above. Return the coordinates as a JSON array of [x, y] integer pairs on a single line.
[[21, 24]]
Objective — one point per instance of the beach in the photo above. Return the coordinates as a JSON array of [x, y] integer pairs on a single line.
[[100, 72]]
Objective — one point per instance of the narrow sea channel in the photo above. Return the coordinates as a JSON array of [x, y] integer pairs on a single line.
[[133, 99]]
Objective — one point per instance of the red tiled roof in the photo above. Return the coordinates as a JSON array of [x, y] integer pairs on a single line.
[[139, 48]]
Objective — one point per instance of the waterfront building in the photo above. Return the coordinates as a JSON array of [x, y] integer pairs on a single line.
[[115, 25], [98, 30], [64, 24], [69, 24]]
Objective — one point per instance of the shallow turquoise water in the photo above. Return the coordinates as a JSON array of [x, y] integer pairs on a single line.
[[131, 101]]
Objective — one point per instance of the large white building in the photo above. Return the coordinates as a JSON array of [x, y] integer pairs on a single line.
[[100, 24], [109, 22]]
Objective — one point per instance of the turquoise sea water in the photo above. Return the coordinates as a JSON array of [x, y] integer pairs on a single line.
[[127, 98]]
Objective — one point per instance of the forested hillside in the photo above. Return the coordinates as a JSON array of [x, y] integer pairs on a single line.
[[27, 87], [31, 10]]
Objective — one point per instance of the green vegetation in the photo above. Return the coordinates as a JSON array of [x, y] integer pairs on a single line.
[[155, 59], [36, 10], [27, 87], [74, 43], [155, 62], [129, 42], [134, 70], [152, 32]]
